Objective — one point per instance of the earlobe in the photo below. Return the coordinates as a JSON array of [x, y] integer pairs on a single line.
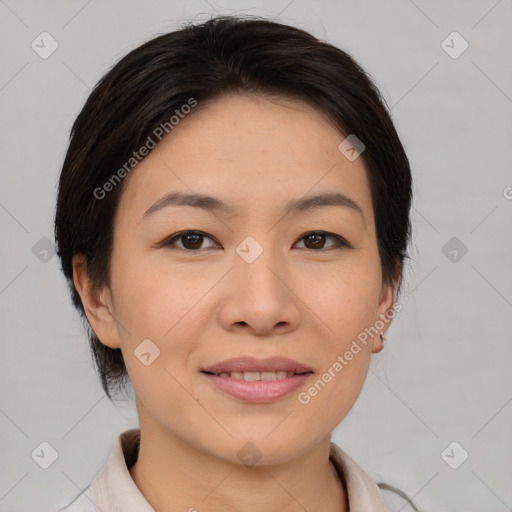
[[386, 313], [97, 304], [378, 343]]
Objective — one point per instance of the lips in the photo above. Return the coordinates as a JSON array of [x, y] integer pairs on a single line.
[[264, 367], [258, 380]]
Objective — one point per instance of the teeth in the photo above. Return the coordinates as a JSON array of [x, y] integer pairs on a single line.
[[253, 376]]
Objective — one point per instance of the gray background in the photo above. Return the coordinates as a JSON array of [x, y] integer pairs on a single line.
[[444, 375]]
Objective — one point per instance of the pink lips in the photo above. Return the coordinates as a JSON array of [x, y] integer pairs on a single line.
[[251, 364], [258, 391]]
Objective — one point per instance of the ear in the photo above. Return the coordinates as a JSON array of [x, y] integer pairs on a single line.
[[97, 304], [385, 311]]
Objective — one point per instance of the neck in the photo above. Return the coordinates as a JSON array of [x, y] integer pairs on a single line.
[[173, 475]]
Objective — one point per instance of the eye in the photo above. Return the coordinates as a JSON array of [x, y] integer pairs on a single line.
[[315, 240], [192, 240]]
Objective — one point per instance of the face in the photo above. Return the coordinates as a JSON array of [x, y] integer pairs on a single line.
[[252, 280]]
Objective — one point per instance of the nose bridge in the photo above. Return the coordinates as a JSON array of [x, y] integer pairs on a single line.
[[259, 298], [258, 266]]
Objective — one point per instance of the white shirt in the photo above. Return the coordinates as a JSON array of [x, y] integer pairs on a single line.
[[113, 489]]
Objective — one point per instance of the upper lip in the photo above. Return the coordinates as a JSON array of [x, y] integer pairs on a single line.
[[252, 364]]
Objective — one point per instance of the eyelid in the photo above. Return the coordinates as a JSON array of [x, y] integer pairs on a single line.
[[168, 241], [341, 242]]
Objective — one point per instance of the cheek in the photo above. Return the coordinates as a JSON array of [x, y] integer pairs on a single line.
[[330, 397], [349, 308], [345, 298], [150, 298], [158, 304]]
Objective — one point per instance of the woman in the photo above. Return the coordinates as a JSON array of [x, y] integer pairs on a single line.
[[233, 219]]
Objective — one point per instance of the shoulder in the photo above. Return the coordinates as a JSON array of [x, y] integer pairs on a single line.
[[396, 500], [363, 492], [113, 482], [84, 502]]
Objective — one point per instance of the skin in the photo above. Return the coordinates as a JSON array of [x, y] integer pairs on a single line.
[[203, 307]]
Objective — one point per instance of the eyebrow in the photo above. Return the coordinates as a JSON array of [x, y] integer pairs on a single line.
[[211, 203]]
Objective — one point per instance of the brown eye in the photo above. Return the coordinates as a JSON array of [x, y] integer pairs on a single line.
[[316, 240], [191, 240]]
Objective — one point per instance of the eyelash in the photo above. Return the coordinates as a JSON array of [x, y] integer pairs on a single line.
[[340, 241]]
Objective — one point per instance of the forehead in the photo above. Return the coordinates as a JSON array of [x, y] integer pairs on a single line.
[[252, 152]]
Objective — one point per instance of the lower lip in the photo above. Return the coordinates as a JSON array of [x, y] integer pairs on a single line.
[[258, 391]]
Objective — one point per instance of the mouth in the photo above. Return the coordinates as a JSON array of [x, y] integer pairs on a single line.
[[257, 376], [252, 366], [258, 381]]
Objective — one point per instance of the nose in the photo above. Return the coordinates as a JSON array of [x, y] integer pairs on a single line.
[[259, 298]]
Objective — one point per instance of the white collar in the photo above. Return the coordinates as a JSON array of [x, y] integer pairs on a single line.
[[115, 491]]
